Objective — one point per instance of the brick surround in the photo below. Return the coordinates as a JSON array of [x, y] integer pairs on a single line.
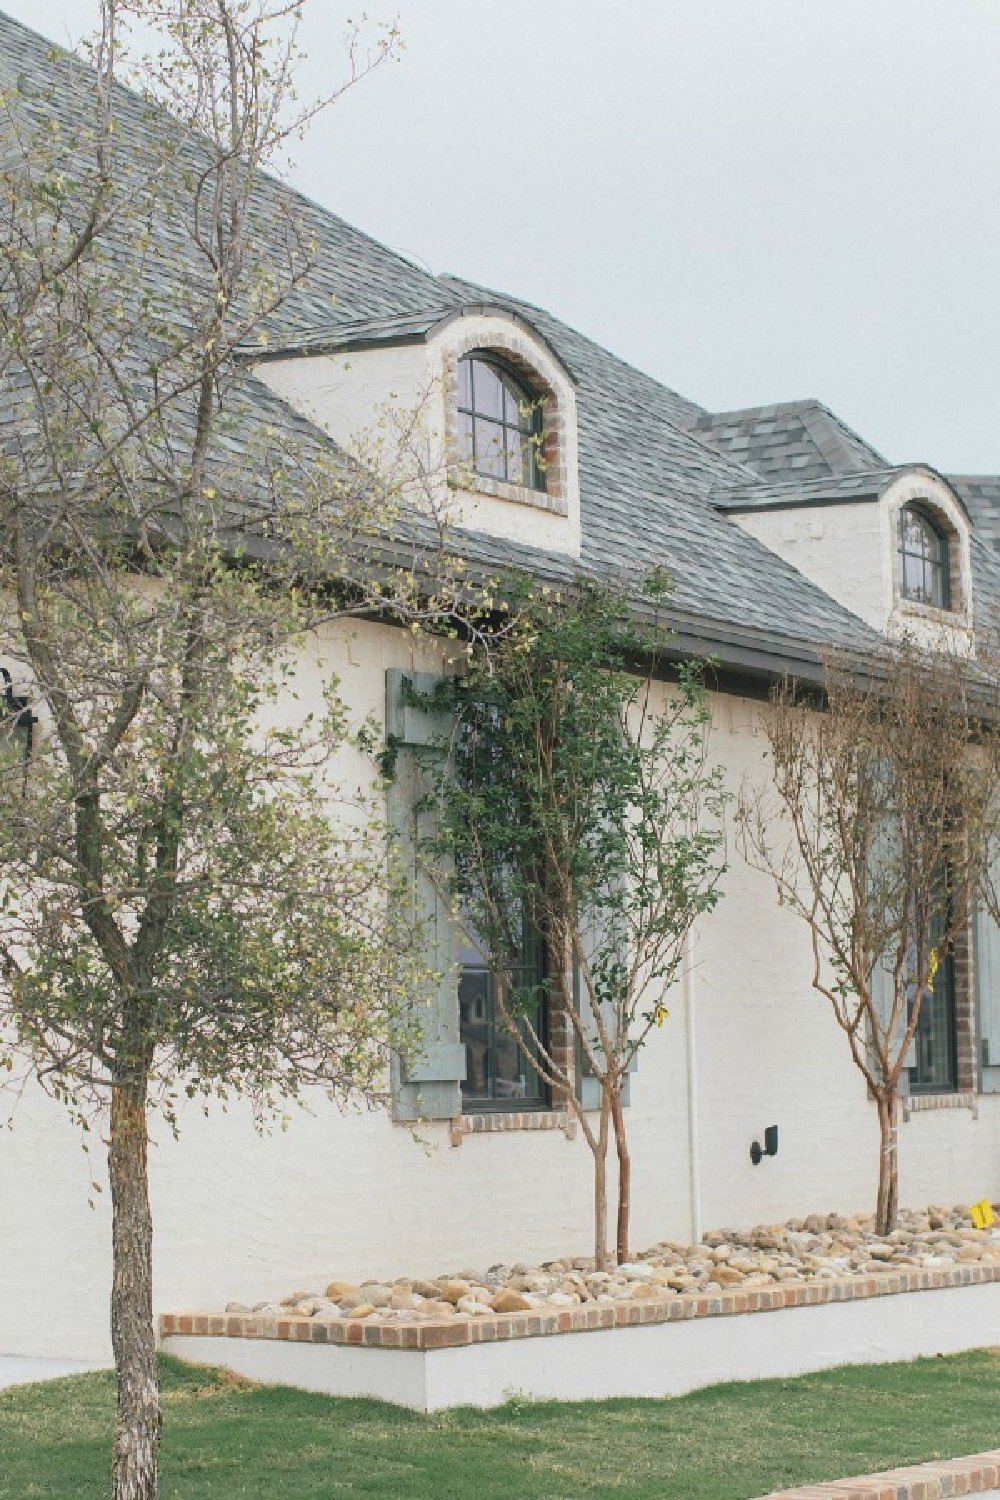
[[375, 1333], [966, 1030], [517, 350]]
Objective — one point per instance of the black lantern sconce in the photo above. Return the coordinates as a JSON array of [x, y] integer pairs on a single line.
[[15, 712], [770, 1147]]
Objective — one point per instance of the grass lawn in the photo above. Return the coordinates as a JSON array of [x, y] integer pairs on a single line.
[[224, 1437]]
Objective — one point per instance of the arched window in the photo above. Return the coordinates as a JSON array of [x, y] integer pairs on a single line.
[[499, 422], [923, 571]]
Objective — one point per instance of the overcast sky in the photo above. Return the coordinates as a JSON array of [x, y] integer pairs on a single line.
[[752, 201]]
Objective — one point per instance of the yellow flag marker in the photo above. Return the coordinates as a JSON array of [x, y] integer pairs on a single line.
[[982, 1214]]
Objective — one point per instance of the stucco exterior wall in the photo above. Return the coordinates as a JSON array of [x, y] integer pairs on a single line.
[[239, 1216], [850, 552], [840, 547], [365, 398]]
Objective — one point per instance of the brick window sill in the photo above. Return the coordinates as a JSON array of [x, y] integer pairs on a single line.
[[917, 1104], [499, 1122], [519, 494]]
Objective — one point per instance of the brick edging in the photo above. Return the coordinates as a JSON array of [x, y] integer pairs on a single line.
[[384, 1333], [934, 1481]]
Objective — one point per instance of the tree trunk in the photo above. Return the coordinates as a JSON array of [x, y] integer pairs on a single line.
[[888, 1168], [601, 1189], [137, 1428], [624, 1171]]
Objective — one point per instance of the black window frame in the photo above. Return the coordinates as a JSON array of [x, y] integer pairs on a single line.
[[931, 556], [935, 1040], [528, 426], [532, 974]]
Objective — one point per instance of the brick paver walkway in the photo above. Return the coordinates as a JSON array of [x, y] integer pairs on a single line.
[[979, 1474]]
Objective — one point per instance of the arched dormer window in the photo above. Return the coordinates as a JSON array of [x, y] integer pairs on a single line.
[[923, 560], [499, 422]]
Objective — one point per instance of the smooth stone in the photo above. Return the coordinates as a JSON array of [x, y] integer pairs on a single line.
[[434, 1311], [727, 1275], [471, 1308], [510, 1302], [452, 1291], [338, 1289]]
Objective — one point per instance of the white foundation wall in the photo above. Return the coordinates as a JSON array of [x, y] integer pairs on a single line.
[[246, 1217]]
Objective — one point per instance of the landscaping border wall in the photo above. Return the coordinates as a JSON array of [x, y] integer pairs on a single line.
[[640, 1348]]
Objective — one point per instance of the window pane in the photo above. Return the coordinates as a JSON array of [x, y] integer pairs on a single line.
[[517, 404], [487, 391], [465, 383], [914, 582], [512, 454], [498, 1071], [511, 1082], [489, 448], [474, 1031], [914, 533], [465, 448]]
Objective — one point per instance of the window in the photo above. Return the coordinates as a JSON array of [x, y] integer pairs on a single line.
[[499, 423], [933, 1053], [498, 1074], [922, 560]]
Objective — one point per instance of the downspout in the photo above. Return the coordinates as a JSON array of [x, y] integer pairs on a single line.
[[692, 1087]]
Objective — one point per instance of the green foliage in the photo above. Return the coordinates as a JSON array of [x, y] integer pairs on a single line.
[[576, 803], [578, 793], [198, 891]]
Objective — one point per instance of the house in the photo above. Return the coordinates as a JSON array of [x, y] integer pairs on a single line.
[[785, 533]]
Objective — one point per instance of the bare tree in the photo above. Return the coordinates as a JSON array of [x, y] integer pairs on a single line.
[[190, 901], [876, 832]]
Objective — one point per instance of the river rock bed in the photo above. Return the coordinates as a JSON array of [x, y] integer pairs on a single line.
[[817, 1248]]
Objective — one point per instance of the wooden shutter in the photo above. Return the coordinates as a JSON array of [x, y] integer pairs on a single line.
[[425, 1085]]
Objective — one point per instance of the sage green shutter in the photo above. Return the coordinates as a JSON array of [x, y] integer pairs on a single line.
[[425, 1085], [986, 938], [596, 932]]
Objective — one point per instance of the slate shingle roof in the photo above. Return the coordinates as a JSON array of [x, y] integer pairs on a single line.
[[981, 493], [657, 471], [796, 439], [792, 493]]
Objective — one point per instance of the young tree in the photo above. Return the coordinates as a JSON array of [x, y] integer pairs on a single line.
[[578, 803], [876, 833], [189, 901]]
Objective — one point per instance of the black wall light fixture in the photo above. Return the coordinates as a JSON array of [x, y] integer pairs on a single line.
[[15, 711], [770, 1147]]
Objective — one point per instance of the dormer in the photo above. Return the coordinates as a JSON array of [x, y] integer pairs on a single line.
[[892, 545], [475, 388], [926, 528]]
